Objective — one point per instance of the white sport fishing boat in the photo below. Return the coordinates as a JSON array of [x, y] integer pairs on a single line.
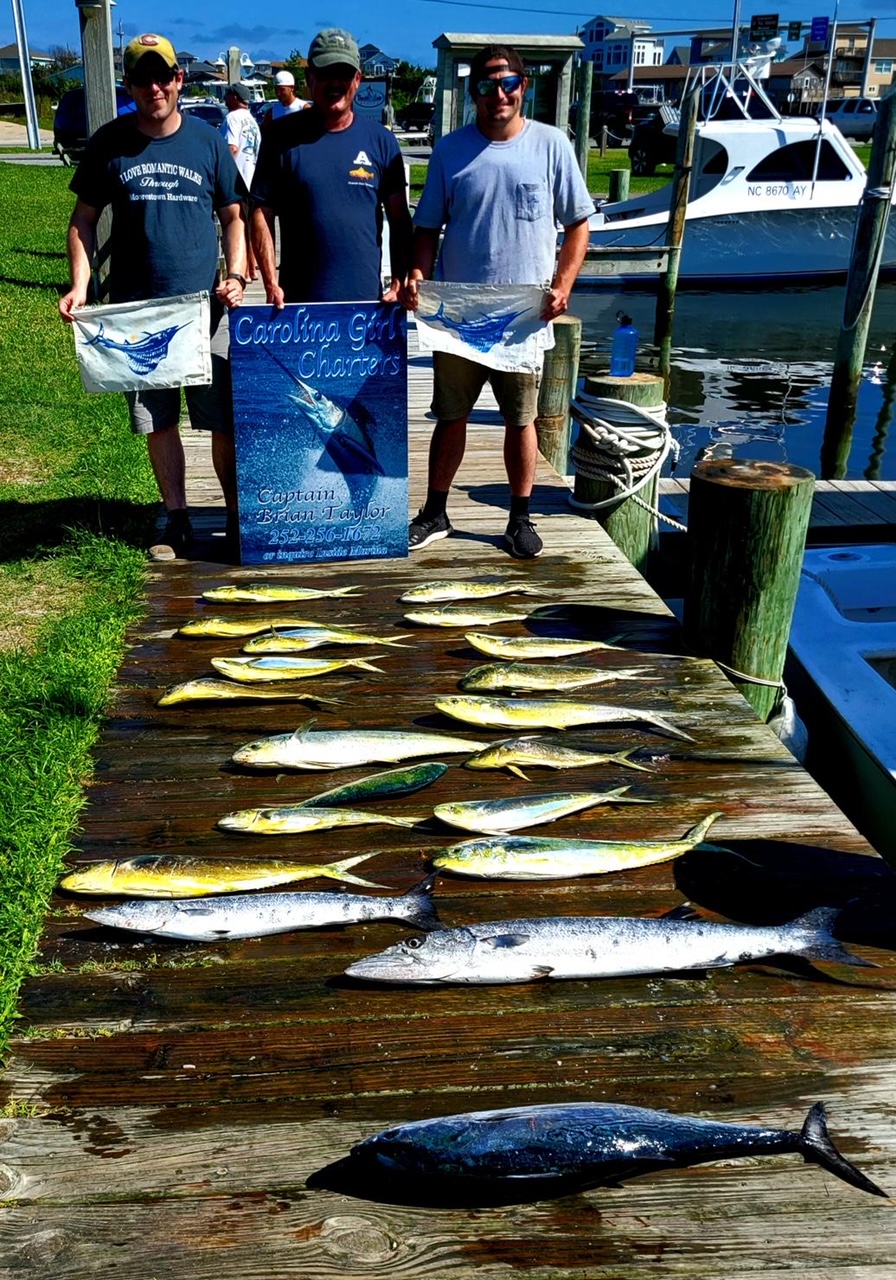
[[772, 200]]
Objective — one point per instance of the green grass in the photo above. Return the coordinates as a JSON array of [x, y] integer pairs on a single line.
[[76, 502]]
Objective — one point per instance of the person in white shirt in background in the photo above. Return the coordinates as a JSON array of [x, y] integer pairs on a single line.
[[243, 137], [287, 102]]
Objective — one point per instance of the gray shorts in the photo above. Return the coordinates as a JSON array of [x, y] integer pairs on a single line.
[[210, 406], [458, 382]]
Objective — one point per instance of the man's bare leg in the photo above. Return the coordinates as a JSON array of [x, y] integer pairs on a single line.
[[166, 457]]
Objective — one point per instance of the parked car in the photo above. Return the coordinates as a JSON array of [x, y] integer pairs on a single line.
[[261, 108], [211, 111], [416, 115], [854, 117], [70, 122], [619, 110], [651, 145]]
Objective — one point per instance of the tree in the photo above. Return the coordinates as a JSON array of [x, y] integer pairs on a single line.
[[296, 63], [64, 56]]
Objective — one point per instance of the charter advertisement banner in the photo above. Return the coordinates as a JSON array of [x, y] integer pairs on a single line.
[[320, 411]]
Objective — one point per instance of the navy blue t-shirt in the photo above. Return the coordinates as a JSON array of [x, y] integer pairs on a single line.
[[327, 190], [163, 193]]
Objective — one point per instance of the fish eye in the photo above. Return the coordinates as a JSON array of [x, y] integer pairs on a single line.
[[413, 943]]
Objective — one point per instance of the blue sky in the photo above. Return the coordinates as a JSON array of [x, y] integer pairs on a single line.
[[405, 29]]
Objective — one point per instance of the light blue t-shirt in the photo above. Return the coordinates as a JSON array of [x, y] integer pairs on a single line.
[[500, 203]]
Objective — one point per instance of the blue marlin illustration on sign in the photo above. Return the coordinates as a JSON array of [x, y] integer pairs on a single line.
[[320, 410], [484, 332], [142, 354]]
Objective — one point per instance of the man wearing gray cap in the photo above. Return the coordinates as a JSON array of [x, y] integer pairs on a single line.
[[330, 176]]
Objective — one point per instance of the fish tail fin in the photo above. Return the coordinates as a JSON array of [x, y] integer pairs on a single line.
[[623, 758], [816, 1147], [347, 591], [419, 908], [339, 871], [364, 664], [697, 832], [396, 643], [662, 723], [822, 944]]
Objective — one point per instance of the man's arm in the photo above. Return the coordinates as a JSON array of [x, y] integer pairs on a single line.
[[263, 244], [425, 248], [81, 243], [572, 255], [401, 232], [233, 238]]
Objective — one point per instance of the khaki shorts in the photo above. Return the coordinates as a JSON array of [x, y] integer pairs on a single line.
[[210, 406], [458, 382]]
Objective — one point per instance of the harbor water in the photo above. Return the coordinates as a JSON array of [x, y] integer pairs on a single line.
[[751, 372]]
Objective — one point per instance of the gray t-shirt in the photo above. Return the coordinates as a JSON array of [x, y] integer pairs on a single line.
[[500, 203]]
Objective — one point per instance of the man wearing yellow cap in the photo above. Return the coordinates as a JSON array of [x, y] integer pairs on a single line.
[[164, 176]]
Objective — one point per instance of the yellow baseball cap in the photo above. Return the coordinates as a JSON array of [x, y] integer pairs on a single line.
[[140, 46]]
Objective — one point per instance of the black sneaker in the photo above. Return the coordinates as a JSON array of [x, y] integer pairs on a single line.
[[522, 540], [421, 532], [177, 538]]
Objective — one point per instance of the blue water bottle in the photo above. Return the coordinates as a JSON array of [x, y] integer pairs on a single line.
[[625, 347]]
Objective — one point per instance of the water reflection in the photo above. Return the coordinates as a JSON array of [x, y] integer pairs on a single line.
[[750, 373]]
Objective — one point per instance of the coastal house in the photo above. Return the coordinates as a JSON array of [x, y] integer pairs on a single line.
[[9, 58], [615, 44]]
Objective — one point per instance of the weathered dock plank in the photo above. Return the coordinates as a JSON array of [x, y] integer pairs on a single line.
[[168, 1101]]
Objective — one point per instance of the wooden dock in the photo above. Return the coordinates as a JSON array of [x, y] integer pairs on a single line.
[[166, 1102]]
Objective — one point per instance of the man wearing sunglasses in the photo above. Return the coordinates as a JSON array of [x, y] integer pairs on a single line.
[[499, 187], [164, 176]]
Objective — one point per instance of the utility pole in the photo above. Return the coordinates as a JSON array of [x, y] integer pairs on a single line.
[[25, 70]]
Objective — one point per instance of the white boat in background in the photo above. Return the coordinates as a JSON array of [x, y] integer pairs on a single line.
[[772, 200], [842, 674]]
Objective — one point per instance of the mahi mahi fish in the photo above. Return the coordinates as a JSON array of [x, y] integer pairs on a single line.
[[435, 592], [295, 819], [211, 690], [467, 615], [256, 915], [547, 858], [166, 875], [534, 750], [309, 748], [298, 638], [543, 675], [225, 627], [547, 713], [495, 817], [533, 646], [267, 592], [252, 670], [393, 782], [596, 947], [555, 1147]]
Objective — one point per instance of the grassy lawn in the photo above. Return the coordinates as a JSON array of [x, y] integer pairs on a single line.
[[76, 502]]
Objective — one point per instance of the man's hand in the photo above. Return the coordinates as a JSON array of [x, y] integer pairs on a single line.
[[230, 292], [556, 303], [394, 292], [410, 296], [70, 302]]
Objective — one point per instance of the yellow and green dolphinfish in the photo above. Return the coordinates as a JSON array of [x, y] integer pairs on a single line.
[[169, 875]]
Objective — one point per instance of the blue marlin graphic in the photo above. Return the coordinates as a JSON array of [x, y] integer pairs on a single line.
[[483, 333], [143, 354], [346, 439]]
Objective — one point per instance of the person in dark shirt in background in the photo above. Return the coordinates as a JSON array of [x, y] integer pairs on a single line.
[[330, 176]]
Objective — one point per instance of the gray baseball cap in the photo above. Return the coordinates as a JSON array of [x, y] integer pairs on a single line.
[[334, 47], [239, 91]]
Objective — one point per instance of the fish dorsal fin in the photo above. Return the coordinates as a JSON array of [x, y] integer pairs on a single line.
[[502, 940], [304, 728]]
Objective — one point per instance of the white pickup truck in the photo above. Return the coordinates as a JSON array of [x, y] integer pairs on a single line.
[[854, 117]]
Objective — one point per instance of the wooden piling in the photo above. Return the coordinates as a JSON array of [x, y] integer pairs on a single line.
[[620, 182], [678, 204], [583, 115], [868, 243], [558, 386], [747, 523], [630, 525]]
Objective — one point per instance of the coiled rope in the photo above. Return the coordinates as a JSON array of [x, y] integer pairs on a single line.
[[624, 445]]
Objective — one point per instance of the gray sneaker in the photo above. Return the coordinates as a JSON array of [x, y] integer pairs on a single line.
[[521, 539], [422, 532]]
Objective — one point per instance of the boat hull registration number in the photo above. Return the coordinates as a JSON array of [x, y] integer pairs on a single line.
[[793, 190]]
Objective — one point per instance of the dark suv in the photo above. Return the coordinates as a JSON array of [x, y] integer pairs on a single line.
[[619, 110], [416, 115], [651, 145], [70, 122]]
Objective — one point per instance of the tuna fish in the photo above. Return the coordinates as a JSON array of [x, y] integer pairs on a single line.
[[544, 1150]]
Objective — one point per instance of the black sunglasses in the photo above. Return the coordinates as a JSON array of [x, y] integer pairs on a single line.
[[508, 85], [143, 79]]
